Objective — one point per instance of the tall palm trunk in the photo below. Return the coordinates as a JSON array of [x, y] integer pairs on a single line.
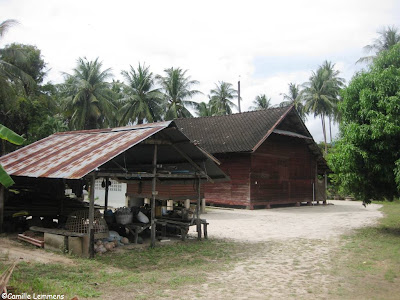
[[324, 132], [330, 129]]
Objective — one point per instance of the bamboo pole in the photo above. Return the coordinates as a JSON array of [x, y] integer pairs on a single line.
[[153, 199]]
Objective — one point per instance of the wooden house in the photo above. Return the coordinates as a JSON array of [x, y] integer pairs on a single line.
[[269, 155]]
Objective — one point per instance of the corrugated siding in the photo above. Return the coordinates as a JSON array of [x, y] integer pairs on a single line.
[[72, 155]]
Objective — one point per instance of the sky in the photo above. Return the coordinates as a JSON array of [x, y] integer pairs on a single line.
[[264, 44]]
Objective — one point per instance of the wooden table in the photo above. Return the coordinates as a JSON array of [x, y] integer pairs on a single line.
[[136, 228], [182, 225]]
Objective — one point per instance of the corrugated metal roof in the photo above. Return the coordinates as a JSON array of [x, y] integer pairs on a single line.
[[72, 155]]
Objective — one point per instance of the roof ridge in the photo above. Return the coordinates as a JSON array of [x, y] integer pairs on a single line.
[[237, 114]]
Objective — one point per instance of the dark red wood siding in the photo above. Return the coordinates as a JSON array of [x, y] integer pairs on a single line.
[[237, 190], [282, 171], [165, 192]]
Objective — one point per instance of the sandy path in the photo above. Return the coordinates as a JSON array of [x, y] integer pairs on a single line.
[[310, 222], [298, 243]]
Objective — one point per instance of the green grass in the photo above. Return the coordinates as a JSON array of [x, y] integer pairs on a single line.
[[368, 265], [146, 271]]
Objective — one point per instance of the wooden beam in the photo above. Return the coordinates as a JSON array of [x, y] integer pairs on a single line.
[[153, 199], [155, 142], [148, 175], [196, 166], [91, 215]]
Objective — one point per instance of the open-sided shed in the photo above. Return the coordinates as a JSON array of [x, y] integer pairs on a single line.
[[155, 152]]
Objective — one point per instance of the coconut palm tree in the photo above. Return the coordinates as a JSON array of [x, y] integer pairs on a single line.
[[221, 98], [141, 100], [177, 91], [204, 109], [8, 70], [387, 38], [337, 83], [88, 95], [320, 94], [261, 102], [294, 98]]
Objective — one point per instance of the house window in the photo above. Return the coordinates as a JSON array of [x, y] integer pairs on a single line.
[[114, 187]]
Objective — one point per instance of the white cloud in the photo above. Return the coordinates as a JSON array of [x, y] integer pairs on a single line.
[[214, 40]]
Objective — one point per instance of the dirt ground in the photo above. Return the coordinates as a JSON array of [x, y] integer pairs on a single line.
[[293, 249], [297, 243], [16, 251]]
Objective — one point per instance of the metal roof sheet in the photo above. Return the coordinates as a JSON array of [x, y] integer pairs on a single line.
[[72, 155]]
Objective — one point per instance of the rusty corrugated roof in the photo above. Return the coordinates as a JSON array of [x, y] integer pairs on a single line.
[[72, 155]]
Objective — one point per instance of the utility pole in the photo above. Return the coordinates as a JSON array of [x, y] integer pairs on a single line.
[[239, 96]]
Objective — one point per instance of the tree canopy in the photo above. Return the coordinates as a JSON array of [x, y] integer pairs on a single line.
[[88, 95], [366, 159], [387, 38], [177, 89], [221, 98], [261, 102], [141, 100]]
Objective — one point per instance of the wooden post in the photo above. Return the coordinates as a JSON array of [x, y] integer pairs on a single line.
[[106, 196], [1, 208], [203, 205], [153, 199], [198, 210], [91, 216], [326, 187]]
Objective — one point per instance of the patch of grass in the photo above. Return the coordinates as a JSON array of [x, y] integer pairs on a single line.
[[148, 271], [369, 262]]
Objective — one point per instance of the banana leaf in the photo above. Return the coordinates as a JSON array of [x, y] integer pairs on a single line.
[[9, 135], [5, 179]]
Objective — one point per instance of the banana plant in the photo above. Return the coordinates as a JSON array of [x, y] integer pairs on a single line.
[[10, 136]]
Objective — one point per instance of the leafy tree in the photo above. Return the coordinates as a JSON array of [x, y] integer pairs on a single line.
[[9, 71], [28, 59], [50, 125], [294, 98], [221, 98], [366, 159], [176, 86], [141, 100], [388, 37], [88, 96], [24, 102], [320, 94], [204, 109], [261, 102]]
